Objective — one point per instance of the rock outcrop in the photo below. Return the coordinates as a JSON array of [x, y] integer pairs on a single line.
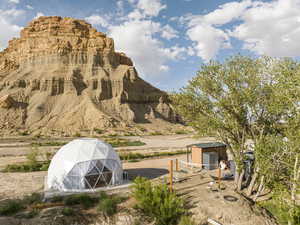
[[63, 74]]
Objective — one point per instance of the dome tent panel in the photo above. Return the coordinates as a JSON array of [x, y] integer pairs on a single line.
[[84, 164]]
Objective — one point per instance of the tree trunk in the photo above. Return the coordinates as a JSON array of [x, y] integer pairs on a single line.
[[260, 188], [240, 180], [296, 173], [252, 183]]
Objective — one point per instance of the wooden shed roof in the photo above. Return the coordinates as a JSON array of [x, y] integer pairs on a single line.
[[208, 145]]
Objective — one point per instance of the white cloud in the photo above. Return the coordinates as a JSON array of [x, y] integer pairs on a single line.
[[203, 30], [208, 40], [29, 7], [271, 28], [14, 1], [136, 39], [7, 25], [97, 20], [164, 68], [227, 12], [39, 14], [150, 7], [169, 32]]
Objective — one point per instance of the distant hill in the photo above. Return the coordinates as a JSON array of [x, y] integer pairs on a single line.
[[62, 74]]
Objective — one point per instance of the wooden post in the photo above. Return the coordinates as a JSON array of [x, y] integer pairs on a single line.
[[176, 161], [219, 177], [187, 153], [171, 175]]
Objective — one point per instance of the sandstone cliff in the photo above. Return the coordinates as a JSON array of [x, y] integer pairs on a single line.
[[62, 74]]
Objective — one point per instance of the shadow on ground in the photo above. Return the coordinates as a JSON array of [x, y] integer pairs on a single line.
[[149, 173]]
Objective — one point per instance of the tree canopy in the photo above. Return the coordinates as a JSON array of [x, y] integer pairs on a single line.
[[255, 99]]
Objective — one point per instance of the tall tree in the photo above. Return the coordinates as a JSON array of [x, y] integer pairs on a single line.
[[240, 99]]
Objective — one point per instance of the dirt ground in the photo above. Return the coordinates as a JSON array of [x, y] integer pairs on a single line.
[[204, 203]]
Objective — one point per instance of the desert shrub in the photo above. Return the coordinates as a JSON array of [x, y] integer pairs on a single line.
[[32, 156], [130, 134], [11, 207], [83, 199], [186, 220], [68, 211], [98, 131], [133, 160], [33, 198], [52, 143], [57, 198], [131, 156], [77, 134], [157, 202], [108, 206], [24, 133], [108, 203], [156, 133], [27, 167], [181, 132], [119, 142]]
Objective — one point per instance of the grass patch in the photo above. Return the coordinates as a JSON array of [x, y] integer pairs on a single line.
[[24, 133], [52, 143], [281, 212], [181, 132], [108, 204], [156, 133], [130, 156], [27, 167], [11, 207], [34, 198], [186, 220], [98, 131], [119, 142], [83, 199], [68, 211]]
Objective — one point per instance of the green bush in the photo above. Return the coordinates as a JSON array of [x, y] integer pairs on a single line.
[[53, 143], [33, 198], [103, 195], [11, 207], [186, 220], [156, 133], [157, 202], [68, 211], [181, 132], [83, 199], [108, 206], [57, 198], [98, 131], [108, 203], [27, 167], [119, 142]]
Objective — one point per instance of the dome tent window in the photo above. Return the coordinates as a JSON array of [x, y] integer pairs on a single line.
[[84, 164]]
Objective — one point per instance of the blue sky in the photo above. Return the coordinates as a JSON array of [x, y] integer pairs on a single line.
[[168, 40]]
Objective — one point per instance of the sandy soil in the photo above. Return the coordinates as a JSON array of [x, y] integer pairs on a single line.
[[204, 202], [19, 184]]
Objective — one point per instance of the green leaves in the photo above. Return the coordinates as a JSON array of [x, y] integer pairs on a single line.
[[157, 202]]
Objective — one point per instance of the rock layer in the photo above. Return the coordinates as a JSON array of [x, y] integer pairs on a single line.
[[63, 74]]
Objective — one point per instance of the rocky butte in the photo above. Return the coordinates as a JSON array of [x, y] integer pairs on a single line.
[[62, 74]]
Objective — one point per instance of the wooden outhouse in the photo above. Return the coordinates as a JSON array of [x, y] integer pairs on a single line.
[[201, 152]]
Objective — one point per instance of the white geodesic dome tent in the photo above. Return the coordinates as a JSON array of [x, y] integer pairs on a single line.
[[84, 164]]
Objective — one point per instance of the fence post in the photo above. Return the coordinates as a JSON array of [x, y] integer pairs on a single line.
[[176, 160], [219, 177], [171, 175]]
